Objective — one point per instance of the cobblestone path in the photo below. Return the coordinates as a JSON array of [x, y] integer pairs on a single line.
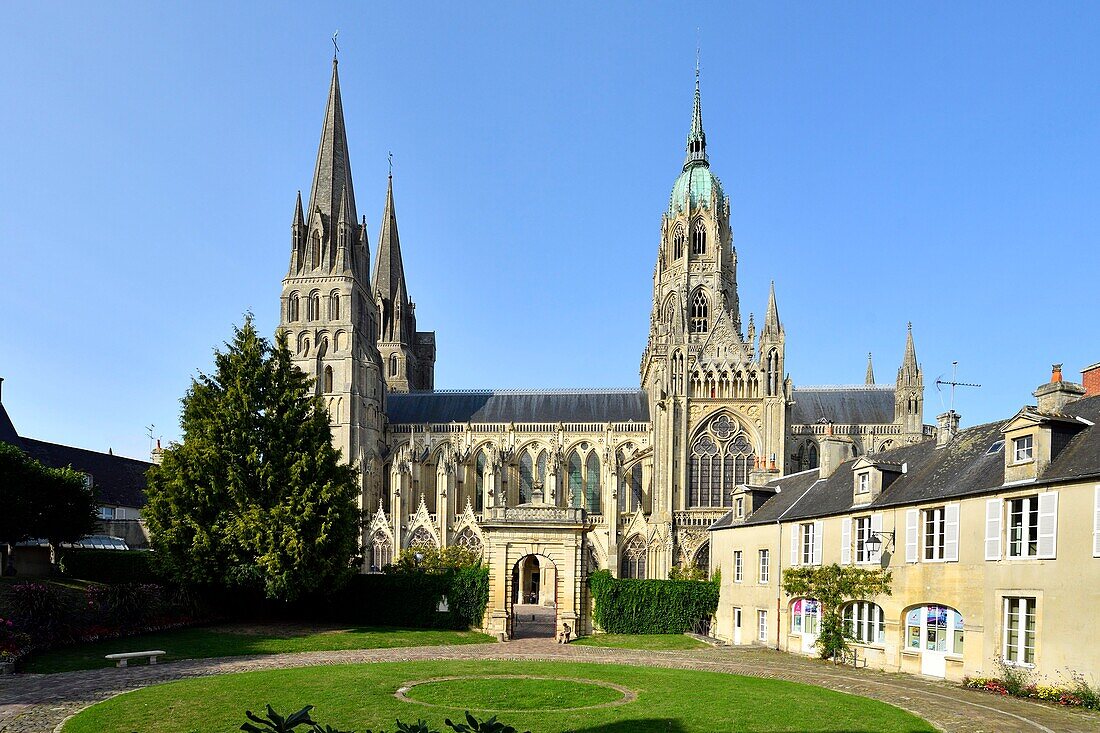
[[39, 703]]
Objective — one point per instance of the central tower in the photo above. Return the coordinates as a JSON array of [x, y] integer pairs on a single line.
[[717, 396]]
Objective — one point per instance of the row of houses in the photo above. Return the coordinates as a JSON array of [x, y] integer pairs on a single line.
[[119, 483], [991, 534]]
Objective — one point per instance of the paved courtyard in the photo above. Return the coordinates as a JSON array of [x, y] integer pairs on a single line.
[[39, 703]]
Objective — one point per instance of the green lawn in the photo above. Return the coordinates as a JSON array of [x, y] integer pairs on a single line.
[[229, 641], [361, 697], [642, 641]]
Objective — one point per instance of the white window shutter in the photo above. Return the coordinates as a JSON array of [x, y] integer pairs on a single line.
[[876, 528], [846, 541], [993, 529], [818, 528], [951, 533], [1096, 523], [795, 554], [912, 524], [1048, 525]]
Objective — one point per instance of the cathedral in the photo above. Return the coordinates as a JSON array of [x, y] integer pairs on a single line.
[[549, 485]]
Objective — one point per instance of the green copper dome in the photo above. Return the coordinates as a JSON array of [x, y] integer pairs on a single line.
[[698, 182]]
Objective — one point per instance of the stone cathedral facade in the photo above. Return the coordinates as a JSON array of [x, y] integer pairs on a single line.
[[550, 485]]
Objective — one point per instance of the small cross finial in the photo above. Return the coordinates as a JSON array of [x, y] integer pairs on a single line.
[[335, 48], [910, 326]]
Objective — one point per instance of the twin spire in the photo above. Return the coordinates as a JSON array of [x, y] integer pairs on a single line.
[[332, 192]]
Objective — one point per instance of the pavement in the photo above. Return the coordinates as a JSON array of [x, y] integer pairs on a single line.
[[35, 703]]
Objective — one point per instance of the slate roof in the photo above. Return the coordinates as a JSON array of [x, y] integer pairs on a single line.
[[118, 481], [502, 406], [845, 405], [965, 467], [7, 430]]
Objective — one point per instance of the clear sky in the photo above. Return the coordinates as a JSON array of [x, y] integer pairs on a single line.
[[886, 162]]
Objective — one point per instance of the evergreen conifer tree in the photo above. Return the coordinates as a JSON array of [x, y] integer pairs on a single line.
[[255, 495]]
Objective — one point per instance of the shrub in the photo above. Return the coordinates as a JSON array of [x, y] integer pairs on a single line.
[[412, 599], [47, 610], [109, 566], [630, 606], [1016, 679]]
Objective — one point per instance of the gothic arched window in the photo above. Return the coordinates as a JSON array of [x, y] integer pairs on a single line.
[[526, 478], [540, 469], [699, 239], [592, 485], [630, 490], [773, 373], [576, 480], [699, 310], [812, 459], [479, 482], [633, 558], [328, 379], [381, 552], [334, 306], [469, 539], [678, 243], [393, 365], [314, 306], [721, 458], [315, 247], [292, 307]]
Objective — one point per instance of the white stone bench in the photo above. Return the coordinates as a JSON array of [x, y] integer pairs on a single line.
[[123, 657]]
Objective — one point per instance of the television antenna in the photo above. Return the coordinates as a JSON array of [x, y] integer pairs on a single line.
[[953, 383]]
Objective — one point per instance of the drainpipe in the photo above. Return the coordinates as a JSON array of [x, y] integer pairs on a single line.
[[779, 554]]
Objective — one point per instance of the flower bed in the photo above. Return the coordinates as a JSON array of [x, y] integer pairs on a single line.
[[1077, 694]]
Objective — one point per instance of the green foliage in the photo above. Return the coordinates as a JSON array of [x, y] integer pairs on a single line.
[[42, 502], [255, 495], [47, 611], [833, 585], [275, 723], [411, 599], [629, 606], [1016, 679], [429, 559], [687, 572], [109, 566]]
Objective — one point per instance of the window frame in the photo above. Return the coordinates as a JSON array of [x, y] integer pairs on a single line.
[[763, 568], [738, 566], [1016, 614], [933, 525], [1028, 450], [1026, 545], [762, 625], [865, 619]]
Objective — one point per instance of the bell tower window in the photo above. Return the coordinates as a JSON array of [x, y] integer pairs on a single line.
[[699, 239], [678, 243], [699, 309]]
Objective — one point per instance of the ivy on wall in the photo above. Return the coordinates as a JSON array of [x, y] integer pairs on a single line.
[[630, 606]]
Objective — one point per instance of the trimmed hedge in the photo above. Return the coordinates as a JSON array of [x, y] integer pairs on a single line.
[[412, 599], [109, 566], [629, 606]]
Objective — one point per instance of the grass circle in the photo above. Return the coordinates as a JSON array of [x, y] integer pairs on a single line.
[[515, 693]]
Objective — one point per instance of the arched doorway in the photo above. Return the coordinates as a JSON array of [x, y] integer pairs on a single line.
[[534, 596]]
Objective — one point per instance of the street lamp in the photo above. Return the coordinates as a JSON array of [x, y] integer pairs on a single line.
[[875, 541]]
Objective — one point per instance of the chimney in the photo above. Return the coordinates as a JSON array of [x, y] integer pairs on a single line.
[[158, 453], [1090, 378], [834, 451], [948, 427], [1056, 394]]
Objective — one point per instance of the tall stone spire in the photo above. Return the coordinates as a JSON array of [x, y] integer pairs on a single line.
[[870, 379], [332, 174], [389, 273], [697, 139], [772, 326], [910, 370]]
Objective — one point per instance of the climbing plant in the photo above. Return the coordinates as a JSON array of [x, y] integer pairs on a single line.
[[832, 586]]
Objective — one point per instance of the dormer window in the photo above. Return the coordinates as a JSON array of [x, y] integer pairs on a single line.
[[1023, 449], [863, 483], [740, 505]]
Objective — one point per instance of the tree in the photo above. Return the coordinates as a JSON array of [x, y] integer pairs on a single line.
[[255, 495], [831, 586], [40, 502]]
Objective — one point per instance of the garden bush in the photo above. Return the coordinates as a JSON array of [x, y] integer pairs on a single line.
[[629, 606], [412, 599], [109, 566], [1016, 682]]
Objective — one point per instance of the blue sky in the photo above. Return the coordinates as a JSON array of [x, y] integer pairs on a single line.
[[886, 162]]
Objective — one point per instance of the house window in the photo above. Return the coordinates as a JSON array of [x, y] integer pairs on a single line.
[[1022, 449], [934, 629], [765, 566], [699, 311], [865, 622], [738, 569], [934, 533], [1023, 527], [1019, 630], [805, 616], [863, 533], [762, 625], [807, 548], [106, 512], [740, 507], [864, 483]]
